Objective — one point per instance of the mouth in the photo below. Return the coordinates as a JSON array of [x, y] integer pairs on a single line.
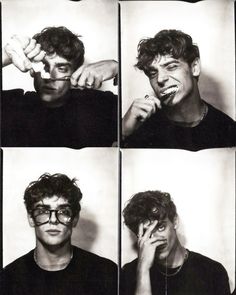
[[49, 89], [53, 232], [162, 246], [168, 92]]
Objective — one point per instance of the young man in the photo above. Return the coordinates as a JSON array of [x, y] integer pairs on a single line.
[[177, 116], [164, 266], [65, 110], [55, 266]]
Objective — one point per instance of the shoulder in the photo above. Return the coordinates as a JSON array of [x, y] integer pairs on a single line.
[[92, 259], [20, 264], [93, 94], [18, 97], [218, 115], [130, 267], [205, 262]]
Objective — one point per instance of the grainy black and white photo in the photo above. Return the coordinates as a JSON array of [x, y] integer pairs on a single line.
[[178, 230], [60, 221], [178, 74], [54, 64]]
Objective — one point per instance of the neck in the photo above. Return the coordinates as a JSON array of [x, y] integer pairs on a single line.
[[188, 110], [176, 257], [53, 258]]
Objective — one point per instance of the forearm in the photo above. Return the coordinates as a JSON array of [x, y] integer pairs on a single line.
[[143, 286]]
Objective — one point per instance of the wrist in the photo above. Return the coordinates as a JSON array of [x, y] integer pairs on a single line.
[[6, 59]]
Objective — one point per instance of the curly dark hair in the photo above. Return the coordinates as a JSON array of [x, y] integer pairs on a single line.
[[166, 42], [63, 42], [148, 205], [50, 185]]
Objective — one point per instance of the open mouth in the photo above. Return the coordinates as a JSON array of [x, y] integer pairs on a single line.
[[167, 92]]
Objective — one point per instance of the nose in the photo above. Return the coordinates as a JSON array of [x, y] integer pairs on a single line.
[[162, 76], [53, 218]]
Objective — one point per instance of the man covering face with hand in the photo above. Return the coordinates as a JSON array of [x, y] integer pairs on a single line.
[[164, 265]]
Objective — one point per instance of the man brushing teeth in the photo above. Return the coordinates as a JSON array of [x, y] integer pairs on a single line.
[[176, 116]]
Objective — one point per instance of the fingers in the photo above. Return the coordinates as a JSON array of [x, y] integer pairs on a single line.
[[150, 229], [22, 50], [143, 108], [84, 77], [144, 236], [140, 230], [154, 99]]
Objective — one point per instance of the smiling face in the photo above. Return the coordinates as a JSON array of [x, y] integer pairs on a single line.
[[165, 231], [172, 79], [54, 92], [53, 233]]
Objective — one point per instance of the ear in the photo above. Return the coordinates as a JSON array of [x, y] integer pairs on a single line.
[[30, 220], [196, 67], [176, 222], [75, 220]]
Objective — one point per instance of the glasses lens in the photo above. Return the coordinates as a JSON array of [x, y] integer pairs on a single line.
[[65, 215], [41, 215]]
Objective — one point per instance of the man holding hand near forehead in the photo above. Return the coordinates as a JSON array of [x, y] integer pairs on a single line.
[[66, 109], [164, 266], [176, 116]]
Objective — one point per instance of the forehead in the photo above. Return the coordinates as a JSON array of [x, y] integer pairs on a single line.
[[52, 202], [163, 60]]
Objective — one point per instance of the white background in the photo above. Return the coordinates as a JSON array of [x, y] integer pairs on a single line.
[[96, 21], [97, 174], [211, 25], [202, 186]]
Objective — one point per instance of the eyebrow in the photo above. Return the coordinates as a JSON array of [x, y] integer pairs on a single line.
[[49, 207], [62, 64], [164, 64]]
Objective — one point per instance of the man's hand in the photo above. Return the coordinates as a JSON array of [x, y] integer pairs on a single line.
[[140, 110], [147, 244], [20, 51], [92, 75]]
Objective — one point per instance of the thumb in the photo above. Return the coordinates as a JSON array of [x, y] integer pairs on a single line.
[[155, 99]]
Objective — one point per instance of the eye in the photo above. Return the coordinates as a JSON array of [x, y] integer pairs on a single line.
[[65, 211], [41, 211], [63, 69], [151, 74], [172, 67], [161, 228]]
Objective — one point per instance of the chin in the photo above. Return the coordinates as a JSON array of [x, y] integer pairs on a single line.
[[47, 98]]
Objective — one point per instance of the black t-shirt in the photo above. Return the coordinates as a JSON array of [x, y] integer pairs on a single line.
[[216, 130], [87, 119], [199, 275], [86, 274]]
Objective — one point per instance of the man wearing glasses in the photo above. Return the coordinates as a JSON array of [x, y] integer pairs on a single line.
[[55, 266], [66, 110], [164, 266]]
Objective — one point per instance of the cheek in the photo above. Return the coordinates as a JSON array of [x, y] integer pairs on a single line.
[[63, 87]]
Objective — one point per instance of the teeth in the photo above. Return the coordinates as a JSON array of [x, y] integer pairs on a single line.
[[170, 90]]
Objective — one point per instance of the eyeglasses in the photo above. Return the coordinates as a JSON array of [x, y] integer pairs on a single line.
[[43, 215]]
